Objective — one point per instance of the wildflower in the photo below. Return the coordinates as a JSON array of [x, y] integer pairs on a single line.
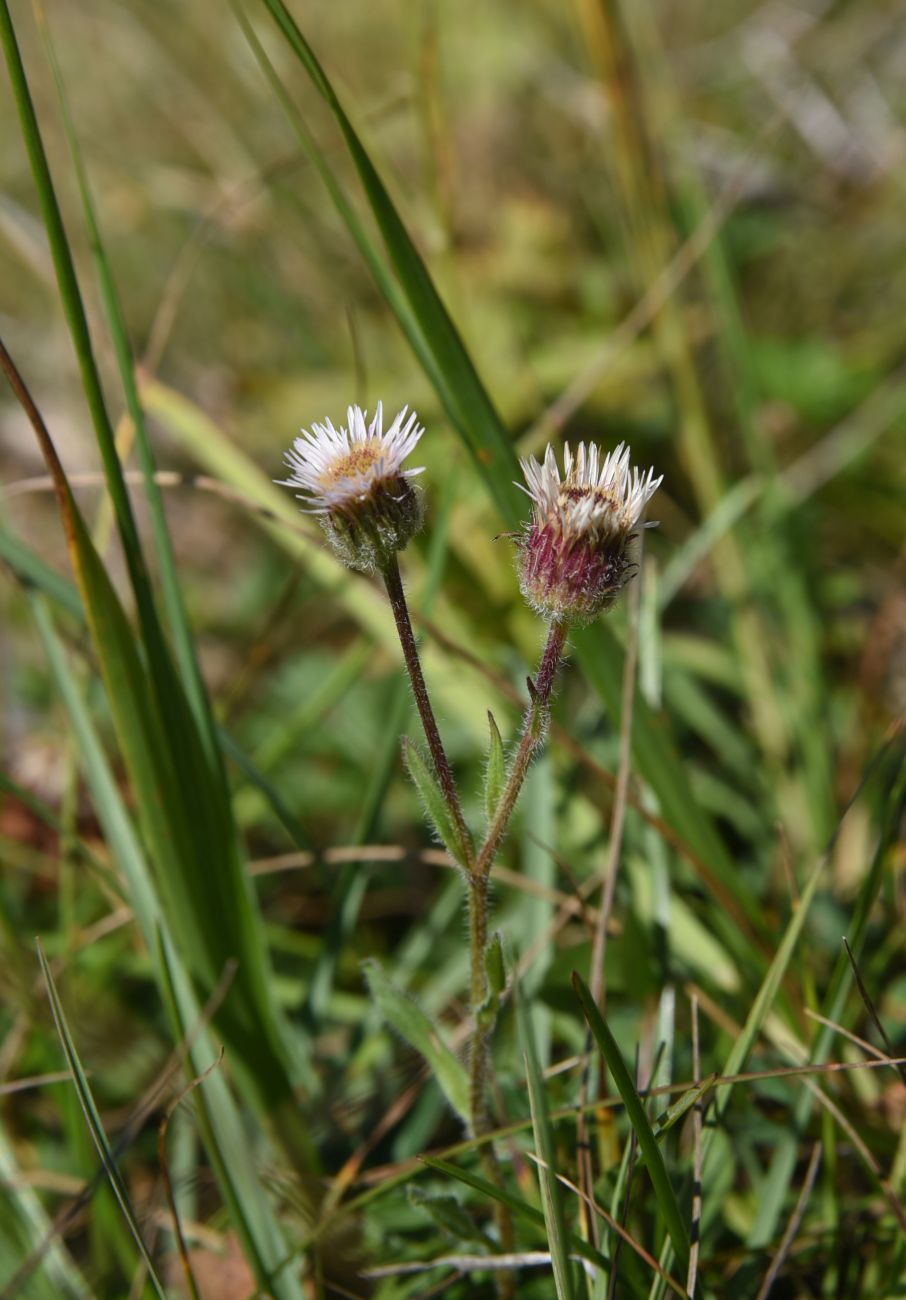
[[353, 479], [577, 552]]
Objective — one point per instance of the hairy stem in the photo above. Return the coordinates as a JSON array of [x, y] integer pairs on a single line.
[[394, 584], [531, 741], [480, 1041]]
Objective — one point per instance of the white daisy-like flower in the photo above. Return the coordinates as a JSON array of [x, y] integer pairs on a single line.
[[576, 554], [353, 479]]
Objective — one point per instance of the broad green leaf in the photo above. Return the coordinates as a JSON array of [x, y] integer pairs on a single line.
[[408, 1019], [663, 1189], [495, 771], [433, 800]]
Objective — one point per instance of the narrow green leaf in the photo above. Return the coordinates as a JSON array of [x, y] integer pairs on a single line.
[[551, 1191], [495, 771], [673, 1114], [663, 1188], [32, 571], [494, 965], [433, 800], [73, 307], [408, 1019], [93, 1121], [27, 1231], [177, 774], [119, 831], [496, 975]]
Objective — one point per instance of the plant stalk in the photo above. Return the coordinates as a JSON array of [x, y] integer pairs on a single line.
[[394, 584], [532, 738]]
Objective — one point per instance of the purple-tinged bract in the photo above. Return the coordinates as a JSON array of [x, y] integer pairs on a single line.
[[577, 552]]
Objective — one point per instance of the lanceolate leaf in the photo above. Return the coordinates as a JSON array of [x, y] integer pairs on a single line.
[[495, 773], [433, 800], [408, 1019]]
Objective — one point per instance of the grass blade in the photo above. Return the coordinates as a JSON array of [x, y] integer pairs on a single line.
[[93, 1120], [226, 1142], [663, 1189], [551, 1192]]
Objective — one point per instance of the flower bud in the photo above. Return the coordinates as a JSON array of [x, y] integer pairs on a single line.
[[353, 480], [577, 552]]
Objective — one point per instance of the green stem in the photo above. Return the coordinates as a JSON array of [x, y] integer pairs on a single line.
[[532, 738], [394, 584]]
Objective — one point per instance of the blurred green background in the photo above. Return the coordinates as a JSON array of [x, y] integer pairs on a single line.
[[680, 225]]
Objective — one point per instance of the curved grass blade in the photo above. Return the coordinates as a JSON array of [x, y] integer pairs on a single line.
[[93, 1120], [783, 1163], [27, 1231], [663, 1188], [32, 571], [219, 1121]]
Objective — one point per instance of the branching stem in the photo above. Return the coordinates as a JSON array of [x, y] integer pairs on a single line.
[[478, 866]]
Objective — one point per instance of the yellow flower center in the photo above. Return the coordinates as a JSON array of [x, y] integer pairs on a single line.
[[357, 461]]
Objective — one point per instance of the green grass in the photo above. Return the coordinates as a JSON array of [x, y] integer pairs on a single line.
[[222, 224]]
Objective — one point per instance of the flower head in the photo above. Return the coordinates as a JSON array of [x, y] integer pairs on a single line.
[[576, 554], [353, 479]]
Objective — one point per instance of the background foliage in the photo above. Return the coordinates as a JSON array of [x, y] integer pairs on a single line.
[[680, 225]]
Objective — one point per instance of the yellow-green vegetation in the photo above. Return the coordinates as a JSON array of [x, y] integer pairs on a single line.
[[249, 1053]]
